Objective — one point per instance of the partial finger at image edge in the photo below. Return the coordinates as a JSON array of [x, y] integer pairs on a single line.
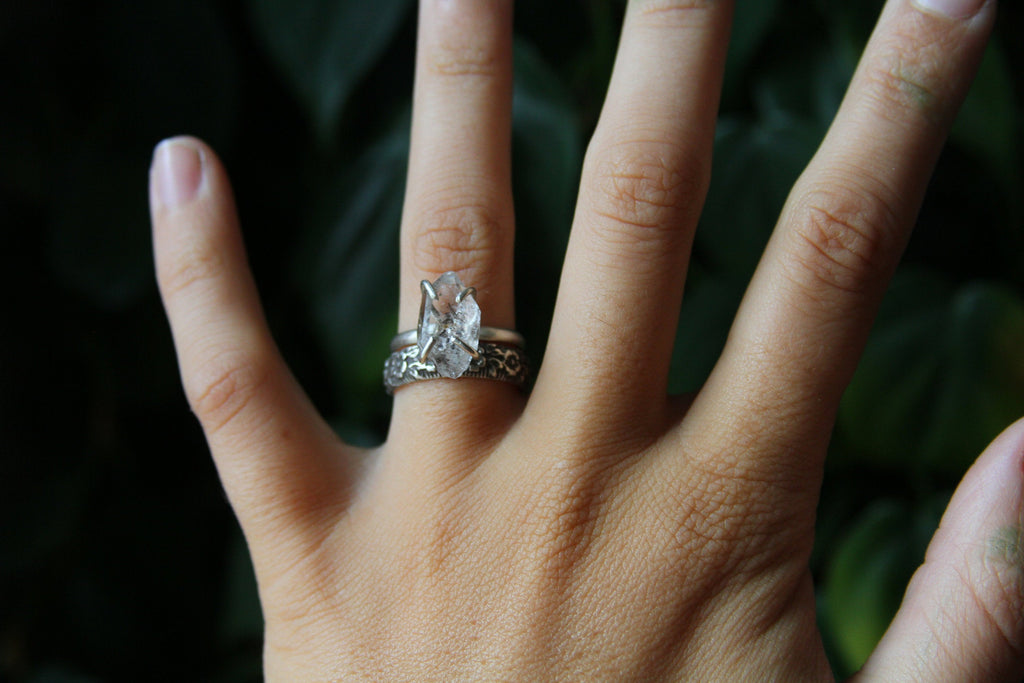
[[959, 10]]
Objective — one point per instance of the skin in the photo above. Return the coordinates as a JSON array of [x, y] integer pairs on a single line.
[[597, 530]]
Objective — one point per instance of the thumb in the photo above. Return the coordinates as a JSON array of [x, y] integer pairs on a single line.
[[962, 618]]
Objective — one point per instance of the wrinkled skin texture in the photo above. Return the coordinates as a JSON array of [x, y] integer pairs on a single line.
[[597, 529]]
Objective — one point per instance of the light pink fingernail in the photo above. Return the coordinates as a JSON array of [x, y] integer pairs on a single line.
[[177, 171], [954, 9]]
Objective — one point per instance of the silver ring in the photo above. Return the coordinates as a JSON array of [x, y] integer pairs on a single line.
[[494, 361], [450, 342], [495, 335]]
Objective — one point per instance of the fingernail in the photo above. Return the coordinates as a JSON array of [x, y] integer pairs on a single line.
[[177, 172], [954, 9]]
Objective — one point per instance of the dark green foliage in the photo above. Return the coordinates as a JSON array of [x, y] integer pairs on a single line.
[[868, 571], [119, 559], [324, 48]]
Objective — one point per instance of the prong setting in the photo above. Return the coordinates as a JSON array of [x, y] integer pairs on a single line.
[[474, 354], [428, 289], [427, 348]]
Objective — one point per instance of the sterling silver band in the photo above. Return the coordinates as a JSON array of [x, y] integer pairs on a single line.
[[495, 361], [495, 335]]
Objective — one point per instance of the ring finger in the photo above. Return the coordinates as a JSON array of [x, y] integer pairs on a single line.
[[458, 212], [644, 181]]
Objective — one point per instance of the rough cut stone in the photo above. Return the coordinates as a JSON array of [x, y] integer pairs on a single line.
[[446, 321]]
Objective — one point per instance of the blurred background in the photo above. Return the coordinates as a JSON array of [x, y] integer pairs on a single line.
[[119, 557]]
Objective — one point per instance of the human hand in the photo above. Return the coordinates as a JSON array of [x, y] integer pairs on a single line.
[[597, 530]]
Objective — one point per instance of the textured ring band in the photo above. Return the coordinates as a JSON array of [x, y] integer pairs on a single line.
[[495, 361], [495, 335]]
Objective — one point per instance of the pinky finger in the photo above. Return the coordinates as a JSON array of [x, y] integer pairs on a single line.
[[962, 618], [276, 457]]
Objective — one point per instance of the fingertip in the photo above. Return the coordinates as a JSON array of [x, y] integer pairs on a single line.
[[177, 172], [956, 10], [999, 472], [1014, 437]]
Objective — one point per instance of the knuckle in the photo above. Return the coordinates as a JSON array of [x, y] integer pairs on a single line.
[[715, 530], [199, 263], [222, 389], [843, 240], [436, 545], [565, 535], [732, 506], [672, 13], [897, 85], [462, 238], [906, 74], [564, 515], [640, 191], [465, 55]]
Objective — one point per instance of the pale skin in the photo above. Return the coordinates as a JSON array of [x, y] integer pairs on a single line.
[[598, 529]]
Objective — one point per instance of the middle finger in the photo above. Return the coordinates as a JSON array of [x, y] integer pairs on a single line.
[[643, 185]]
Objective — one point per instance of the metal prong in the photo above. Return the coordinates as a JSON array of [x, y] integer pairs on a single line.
[[467, 348], [426, 349], [428, 289], [468, 291]]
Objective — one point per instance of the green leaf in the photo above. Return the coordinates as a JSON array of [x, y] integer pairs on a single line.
[[868, 574], [546, 159], [347, 268], [942, 375], [755, 165], [547, 153], [325, 48], [987, 125], [807, 87], [753, 20], [850, 24], [757, 160], [704, 321]]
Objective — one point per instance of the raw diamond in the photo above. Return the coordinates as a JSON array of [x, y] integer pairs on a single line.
[[446, 322]]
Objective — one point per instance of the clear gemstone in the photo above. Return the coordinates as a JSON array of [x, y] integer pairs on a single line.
[[448, 322]]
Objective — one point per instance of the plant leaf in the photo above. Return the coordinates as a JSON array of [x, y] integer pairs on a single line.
[[987, 123], [546, 156], [868, 574], [325, 48], [942, 374], [704, 321], [755, 165], [347, 268], [753, 21]]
